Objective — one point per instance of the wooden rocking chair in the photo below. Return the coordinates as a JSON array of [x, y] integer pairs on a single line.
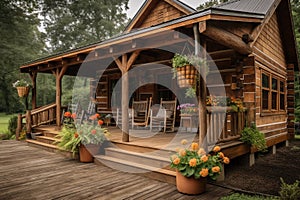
[[164, 116], [140, 112]]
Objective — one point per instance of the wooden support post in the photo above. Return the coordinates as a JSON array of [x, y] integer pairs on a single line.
[[33, 76], [124, 66], [28, 122], [19, 126], [251, 159], [202, 91], [59, 73], [274, 149]]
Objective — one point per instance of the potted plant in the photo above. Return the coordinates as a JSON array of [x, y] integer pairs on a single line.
[[184, 71], [22, 87], [85, 139], [194, 165], [188, 109]]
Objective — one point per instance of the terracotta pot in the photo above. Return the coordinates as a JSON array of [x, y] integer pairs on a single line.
[[23, 91], [190, 185], [84, 155]]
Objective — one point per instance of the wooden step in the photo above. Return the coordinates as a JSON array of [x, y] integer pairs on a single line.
[[47, 140], [50, 148], [163, 175], [50, 134], [142, 158], [143, 149]]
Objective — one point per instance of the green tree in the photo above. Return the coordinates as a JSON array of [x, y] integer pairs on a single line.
[[74, 23], [21, 41], [210, 3]]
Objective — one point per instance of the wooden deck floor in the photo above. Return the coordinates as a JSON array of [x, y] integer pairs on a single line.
[[30, 173]]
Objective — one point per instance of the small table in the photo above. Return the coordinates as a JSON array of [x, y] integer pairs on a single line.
[[189, 123]]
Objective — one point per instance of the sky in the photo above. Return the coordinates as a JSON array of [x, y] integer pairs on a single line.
[[134, 5]]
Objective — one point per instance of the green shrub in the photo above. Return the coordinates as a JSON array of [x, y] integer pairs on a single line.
[[289, 192], [12, 126], [238, 196], [251, 135]]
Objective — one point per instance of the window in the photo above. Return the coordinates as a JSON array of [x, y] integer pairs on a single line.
[[273, 93]]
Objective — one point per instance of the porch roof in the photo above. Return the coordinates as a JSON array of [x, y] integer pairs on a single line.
[[213, 13]]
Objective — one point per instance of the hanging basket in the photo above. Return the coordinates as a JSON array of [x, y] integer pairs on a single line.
[[23, 91], [186, 76]]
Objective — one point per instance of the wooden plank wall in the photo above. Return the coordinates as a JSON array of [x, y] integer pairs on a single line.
[[269, 57], [161, 13], [291, 100]]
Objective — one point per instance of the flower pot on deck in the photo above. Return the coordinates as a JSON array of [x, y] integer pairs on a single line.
[[190, 185], [84, 154]]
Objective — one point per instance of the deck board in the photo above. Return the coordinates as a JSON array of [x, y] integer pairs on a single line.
[[30, 173]]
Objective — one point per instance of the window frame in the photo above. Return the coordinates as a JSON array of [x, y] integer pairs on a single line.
[[271, 91]]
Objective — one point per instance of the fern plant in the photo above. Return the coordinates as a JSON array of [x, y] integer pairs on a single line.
[[289, 191], [251, 135]]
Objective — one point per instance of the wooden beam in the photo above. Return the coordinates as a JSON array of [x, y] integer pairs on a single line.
[[58, 75], [33, 76], [124, 66], [227, 39]]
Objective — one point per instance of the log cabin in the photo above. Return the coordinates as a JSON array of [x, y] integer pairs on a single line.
[[250, 43]]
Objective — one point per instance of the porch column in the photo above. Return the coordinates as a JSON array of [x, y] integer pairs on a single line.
[[202, 89], [33, 76], [124, 66], [59, 73]]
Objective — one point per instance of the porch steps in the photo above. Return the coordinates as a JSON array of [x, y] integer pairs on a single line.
[[152, 166], [46, 139]]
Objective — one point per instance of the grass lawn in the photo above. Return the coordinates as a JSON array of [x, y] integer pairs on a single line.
[[4, 122]]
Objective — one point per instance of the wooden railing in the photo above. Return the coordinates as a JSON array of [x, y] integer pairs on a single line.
[[224, 125], [40, 116]]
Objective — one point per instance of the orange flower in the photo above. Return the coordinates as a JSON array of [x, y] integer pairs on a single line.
[[217, 149], [204, 158], [201, 151], [173, 157], [97, 115], [193, 162], [221, 155], [100, 122], [67, 114], [226, 160], [182, 152], [177, 149], [216, 169], [204, 172], [73, 115], [93, 131], [194, 146], [76, 135], [176, 161], [183, 142]]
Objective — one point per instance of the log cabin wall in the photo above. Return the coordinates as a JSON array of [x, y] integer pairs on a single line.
[[271, 83], [161, 13]]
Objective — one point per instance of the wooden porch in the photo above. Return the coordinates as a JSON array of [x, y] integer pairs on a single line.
[[28, 173]]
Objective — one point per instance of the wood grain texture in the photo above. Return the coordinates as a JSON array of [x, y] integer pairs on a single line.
[[30, 173]]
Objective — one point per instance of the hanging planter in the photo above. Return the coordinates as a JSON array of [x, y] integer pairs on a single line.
[[22, 87], [184, 70], [23, 91], [186, 76]]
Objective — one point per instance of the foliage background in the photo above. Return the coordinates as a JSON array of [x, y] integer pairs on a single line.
[[31, 29]]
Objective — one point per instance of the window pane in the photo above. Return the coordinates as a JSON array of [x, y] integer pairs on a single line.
[[265, 81], [274, 100], [281, 86], [265, 101], [282, 102], [274, 84]]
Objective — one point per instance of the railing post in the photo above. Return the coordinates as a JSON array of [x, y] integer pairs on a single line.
[[28, 121], [19, 126]]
